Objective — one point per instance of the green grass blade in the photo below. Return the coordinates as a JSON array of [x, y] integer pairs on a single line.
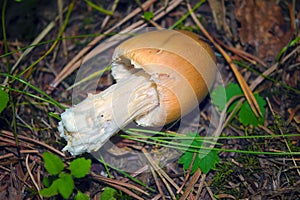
[[187, 14], [99, 8], [50, 99], [267, 77]]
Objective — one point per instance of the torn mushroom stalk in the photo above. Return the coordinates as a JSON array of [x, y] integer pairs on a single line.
[[160, 76]]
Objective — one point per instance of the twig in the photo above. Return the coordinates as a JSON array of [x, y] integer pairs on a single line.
[[247, 185], [10, 135], [105, 21], [70, 8], [77, 60], [125, 190], [157, 197], [188, 173], [118, 184], [48, 28], [6, 156], [31, 176], [242, 53], [60, 5], [157, 183], [190, 187], [200, 186], [248, 93], [136, 173], [209, 192], [162, 174]]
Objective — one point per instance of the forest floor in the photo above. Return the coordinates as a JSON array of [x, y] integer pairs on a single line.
[[43, 49]]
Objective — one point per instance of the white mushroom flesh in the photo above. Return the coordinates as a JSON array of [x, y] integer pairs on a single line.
[[88, 125]]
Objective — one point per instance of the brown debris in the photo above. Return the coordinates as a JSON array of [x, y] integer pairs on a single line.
[[262, 26], [265, 28]]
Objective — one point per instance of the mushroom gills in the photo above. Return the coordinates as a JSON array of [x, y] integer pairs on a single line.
[[88, 125]]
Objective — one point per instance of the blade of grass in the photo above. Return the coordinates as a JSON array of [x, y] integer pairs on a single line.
[[85, 53], [29, 94], [267, 77], [182, 137], [187, 14], [36, 44], [50, 99], [70, 8], [174, 145], [93, 75], [165, 141], [99, 8], [284, 49], [105, 166], [192, 148], [4, 32], [12, 106]]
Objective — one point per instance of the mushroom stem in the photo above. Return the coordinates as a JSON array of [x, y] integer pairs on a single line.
[[88, 125]]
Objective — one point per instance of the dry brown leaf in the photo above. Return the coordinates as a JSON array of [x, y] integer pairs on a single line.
[[262, 26]]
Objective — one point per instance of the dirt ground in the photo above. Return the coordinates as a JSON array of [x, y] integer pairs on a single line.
[[43, 45]]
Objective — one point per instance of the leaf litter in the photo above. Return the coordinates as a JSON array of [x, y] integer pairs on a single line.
[[264, 29]]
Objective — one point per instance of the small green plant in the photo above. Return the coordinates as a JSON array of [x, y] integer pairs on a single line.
[[246, 116], [196, 157], [61, 180], [109, 193], [148, 15], [113, 194], [3, 100]]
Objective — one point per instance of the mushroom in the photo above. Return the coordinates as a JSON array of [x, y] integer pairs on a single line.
[[160, 76]]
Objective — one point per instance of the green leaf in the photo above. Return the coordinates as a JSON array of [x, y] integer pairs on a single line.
[[50, 191], [222, 95], [109, 193], [46, 181], [205, 163], [81, 196], [218, 97], [80, 167], [148, 15], [247, 117], [186, 159], [3, 100], [65, 185], [231, 91], [53, 164], [209, 161], [245, 113]]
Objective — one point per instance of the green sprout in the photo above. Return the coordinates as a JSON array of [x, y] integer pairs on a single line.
[[61, 179]]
